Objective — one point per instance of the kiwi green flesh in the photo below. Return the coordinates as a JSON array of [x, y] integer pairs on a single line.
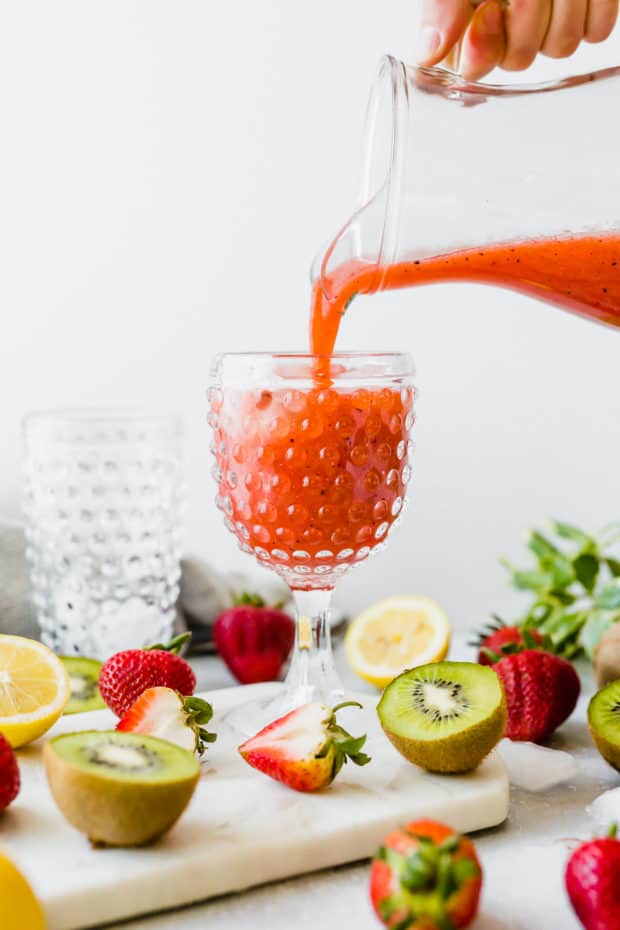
[[84, 680], [125, 756], [446, 716], [604, 722], [119, 789]]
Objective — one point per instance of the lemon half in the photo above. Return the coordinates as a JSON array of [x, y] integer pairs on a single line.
[[34, 689], [395, 634], [19, 908]]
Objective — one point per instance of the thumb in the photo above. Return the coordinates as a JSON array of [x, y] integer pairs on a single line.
[[443, 23]]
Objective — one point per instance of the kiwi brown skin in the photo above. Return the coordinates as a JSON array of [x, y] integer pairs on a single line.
[[113, 812], [606, 661], [609, 751], [458, 753]]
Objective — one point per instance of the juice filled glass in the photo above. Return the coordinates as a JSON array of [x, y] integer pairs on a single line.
[[312, 475]]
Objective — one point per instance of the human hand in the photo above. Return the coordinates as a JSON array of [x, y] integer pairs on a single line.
[[510, 34]]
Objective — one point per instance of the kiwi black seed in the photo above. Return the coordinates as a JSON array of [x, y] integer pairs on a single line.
[[119, 789], [446, 716], [604, 722], [84, 681]]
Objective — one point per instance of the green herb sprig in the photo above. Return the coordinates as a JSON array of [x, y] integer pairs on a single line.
[[575, 586]]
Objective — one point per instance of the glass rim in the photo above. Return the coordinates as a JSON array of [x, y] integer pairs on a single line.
[[304, 370], [295, 366], [312, 356], [447, 82]]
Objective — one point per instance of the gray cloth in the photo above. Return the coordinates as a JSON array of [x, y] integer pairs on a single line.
[[16, 610]]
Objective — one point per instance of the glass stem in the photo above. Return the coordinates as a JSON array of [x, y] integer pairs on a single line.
[[312, 674]]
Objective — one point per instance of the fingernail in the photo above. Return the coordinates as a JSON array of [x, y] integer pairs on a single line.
[[429, 41]]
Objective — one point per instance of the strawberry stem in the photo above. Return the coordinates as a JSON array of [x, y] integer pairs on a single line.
[[248, 600], [491, 655], [612, 832], [175, 645], [344, 745], [199, 712], [347, 704]]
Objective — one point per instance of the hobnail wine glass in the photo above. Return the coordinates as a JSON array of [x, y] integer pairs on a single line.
[[312, 462]]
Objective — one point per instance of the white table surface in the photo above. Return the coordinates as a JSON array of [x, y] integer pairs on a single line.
[[523, 860]]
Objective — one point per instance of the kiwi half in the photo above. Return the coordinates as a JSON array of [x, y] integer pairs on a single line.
[[604, 722], [84, 682], [119, 789], [446, 716]]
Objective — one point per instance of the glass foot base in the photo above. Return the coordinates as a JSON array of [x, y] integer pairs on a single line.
[[249, 718], [312, 675]]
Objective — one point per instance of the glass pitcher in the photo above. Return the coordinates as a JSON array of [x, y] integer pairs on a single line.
[[514, 185]]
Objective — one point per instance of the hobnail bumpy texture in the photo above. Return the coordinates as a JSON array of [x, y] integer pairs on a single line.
[[103, 503], [311, 482]]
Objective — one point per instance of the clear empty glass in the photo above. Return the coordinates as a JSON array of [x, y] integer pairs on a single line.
[[311, 474], [103, 501]]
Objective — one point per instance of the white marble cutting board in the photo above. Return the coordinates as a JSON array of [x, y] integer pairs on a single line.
[[241, 828]]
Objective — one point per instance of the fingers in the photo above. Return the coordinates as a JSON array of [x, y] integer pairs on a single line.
[[566, 29], [510, 33], [601, 19], [443, 24], [483, 46], [526, 23]]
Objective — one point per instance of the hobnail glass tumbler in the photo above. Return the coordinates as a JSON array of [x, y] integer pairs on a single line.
[[103, 502]]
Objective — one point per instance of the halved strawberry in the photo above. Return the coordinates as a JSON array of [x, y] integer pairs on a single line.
[[306, 748], [167, 714]]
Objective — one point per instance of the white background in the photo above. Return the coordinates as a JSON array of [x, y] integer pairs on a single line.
[[167, 172]]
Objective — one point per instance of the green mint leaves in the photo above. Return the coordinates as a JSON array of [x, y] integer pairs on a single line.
[[574, 586]]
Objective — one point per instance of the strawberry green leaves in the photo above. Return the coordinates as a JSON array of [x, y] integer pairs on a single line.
[[425, 876], [199, 714], [343, 745], [574, 584]]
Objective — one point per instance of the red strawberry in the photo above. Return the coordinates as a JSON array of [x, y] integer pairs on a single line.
[[426, 877], [254, 640], [506, 640], [541, 692], [127, 674], [9, 774], [305, 749], [593, 883], [167, 714]]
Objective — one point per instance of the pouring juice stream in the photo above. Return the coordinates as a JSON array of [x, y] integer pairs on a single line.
[[580, 274], [513, 186]]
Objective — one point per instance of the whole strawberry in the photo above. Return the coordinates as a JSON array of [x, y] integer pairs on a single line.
[[126, 675], [9, 774], [305, 749], [425, 877], [502, 640], [541, 692], [593, 882], [254, 640]]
